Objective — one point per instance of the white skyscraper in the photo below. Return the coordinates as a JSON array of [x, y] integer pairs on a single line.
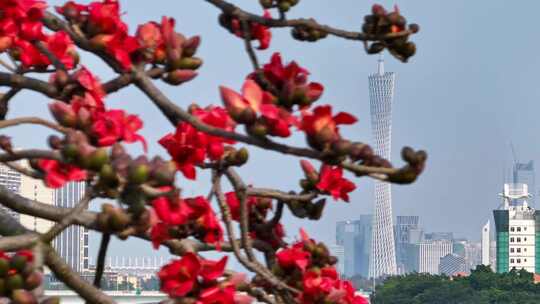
[[381, 93], [34, 189], [72, 243], [485, 245]]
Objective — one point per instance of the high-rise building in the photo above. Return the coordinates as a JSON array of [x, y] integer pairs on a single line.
[[516, 234], [339, 252], [72, 243], [381, 93], [426, 256], [34, 189], [10, 179], [404, 225], [355, 237], [485, 245], [523, 173], [451, 264]]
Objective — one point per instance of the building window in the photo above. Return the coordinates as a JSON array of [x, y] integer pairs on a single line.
[[518, 240], [512, 229], [511, 260], [524, 249], [524, 239], [518, 229], [511, 249], [511, 240], [519, 250], [524, 260], [524, 228], [518, 261]]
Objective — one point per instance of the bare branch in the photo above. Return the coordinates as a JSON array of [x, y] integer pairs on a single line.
[[69, 219], [105, 239], [64, 273], [237, 12], [17, 242], [33, 121]]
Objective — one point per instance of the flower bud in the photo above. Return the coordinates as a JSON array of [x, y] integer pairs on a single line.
[[21, 296], [190, 63], [309, 171], [14, 281], [266, 3], [18, 262], [98, 158], [4, 267], [316, 209], [117, 150], [138, 172], [5, 143], [164, 173], [375, 48], [70, 152], [103, 221], [241, 157], [190, 46], [33, 280], [414, 28], [63, 113], [55, 142], [178, 77], [108, 176], [341, 147], [84, 119], [258, 129], [284, 6], [119, 220]]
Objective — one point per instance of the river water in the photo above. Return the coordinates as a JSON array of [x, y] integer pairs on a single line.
[[68, 297]]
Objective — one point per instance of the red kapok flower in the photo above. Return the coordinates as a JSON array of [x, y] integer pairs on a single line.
[[114, 125], [293, 257], [58, 174], [180, 276], [212, 270], [321, 127], [159, 234], [332, 181]]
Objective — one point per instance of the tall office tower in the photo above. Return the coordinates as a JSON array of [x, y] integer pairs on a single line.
[[355, 237], [425, 256], [72, 243], [339, 252], [517, 238], [485, 244], [381, 93], [452, 264], [523, 173], [404, 225], [10, 179], [34, 189], [438, 236]]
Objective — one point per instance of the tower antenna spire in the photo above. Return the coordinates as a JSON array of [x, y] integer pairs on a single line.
[[380, 64]]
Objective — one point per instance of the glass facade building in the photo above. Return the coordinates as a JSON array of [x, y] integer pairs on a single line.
[[72, 243], [404, 225], [355, 238]]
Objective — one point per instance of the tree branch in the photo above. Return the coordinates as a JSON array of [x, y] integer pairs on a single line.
[[237, 12], [64, 273]]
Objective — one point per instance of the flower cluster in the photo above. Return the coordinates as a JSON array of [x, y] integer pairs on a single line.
[[255, 109], [258, 208], [290, 82], [196, 280], [330, 180], [19, 277], [21, 29], [106, 31], [183, 217], [160, 44], [381, 23], [87, 112], [308, 266], [256, 30], [154, 43], [190, 147]]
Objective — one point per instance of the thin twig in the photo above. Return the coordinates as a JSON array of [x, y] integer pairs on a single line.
[[69, 219], [105, 239], [34, 121]]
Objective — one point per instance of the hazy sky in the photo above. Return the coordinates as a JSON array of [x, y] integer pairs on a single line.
[[470, 90]]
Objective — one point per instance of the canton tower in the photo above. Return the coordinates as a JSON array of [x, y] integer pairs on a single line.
[[381, 93]]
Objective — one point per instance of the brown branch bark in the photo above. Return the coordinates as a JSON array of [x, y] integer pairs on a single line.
[[34, 121]]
